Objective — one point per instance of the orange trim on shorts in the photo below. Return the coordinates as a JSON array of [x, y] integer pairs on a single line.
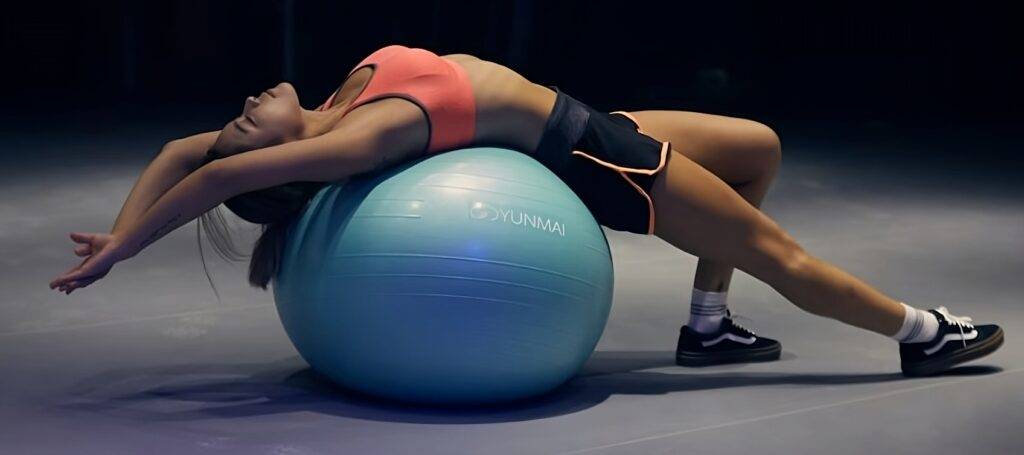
[[665, 148], [630, 117]]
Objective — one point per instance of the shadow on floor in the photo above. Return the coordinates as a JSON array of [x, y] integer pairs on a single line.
[[194, 392]]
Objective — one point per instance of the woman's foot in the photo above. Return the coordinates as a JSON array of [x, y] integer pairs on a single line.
[[731, 343], [957, 342]]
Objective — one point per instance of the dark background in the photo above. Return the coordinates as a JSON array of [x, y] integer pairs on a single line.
[[865, 62]]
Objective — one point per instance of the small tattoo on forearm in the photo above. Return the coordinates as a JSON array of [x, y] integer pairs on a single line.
[[167, 227]]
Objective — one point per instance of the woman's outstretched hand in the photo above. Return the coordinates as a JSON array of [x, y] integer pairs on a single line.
[[101, 250]]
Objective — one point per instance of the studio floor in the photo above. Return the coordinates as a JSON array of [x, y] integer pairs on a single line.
[[148, 361]]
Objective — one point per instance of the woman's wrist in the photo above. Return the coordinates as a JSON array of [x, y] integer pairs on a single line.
[[123, 249]]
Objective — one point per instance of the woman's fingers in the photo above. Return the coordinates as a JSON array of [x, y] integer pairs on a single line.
[[86, 240], [75, 273], [81, 283], [72, 285], [80, 237], [76, 280]]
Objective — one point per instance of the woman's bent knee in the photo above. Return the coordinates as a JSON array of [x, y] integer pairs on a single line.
[[769, 147]]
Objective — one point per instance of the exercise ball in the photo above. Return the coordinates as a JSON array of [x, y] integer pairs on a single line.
[[473, 276]]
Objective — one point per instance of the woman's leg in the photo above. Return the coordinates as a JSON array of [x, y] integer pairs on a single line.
[[743, 153], [697, 212]]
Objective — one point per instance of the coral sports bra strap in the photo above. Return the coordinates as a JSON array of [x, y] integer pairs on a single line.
[[440, 87]]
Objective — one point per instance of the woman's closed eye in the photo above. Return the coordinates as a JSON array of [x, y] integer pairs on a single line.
[[238, 124]]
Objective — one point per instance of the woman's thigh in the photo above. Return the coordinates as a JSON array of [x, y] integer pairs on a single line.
[[736, 150], [699, 213]]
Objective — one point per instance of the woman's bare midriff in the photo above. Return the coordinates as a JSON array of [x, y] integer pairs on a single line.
[[510, 110]]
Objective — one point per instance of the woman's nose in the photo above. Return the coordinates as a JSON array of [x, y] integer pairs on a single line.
[[251, 102]]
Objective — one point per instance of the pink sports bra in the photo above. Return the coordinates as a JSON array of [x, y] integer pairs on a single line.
[[440, 87]]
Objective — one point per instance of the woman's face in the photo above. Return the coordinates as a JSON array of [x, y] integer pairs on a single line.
[[274, 117]]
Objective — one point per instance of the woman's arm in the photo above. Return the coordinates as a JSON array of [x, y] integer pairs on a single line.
[[176, 160], [195, 194], [358, 145]]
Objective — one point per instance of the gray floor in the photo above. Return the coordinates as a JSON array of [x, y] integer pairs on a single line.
[[147, 360]]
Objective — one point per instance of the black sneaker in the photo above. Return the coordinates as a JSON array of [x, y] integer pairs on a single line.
[[957, 342], [730, 344]]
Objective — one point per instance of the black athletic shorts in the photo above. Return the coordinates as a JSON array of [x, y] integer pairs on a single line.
[[606, 160]]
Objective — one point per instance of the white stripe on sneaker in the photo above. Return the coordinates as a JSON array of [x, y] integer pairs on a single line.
[[729, 336], [951, 337]]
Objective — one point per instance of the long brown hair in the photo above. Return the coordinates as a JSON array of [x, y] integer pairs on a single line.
[[273, 208], [265, 256]]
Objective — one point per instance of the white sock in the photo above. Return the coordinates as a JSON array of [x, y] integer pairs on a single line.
[[918, 326], [707, 309]]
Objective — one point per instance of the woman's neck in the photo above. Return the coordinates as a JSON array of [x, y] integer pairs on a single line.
[[320, 122], [316, 123]]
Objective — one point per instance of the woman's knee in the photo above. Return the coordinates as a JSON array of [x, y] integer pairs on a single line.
[[768, 146]]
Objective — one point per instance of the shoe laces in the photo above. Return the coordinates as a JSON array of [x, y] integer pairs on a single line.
[[960, 322], [733, 316]]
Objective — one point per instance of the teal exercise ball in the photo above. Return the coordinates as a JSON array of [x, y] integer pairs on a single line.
[[473, 276]]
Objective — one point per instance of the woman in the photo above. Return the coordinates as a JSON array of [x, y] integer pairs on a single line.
[[694, 180]]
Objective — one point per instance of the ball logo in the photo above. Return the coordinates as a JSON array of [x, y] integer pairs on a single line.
[[518, 217], [482, 211]]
